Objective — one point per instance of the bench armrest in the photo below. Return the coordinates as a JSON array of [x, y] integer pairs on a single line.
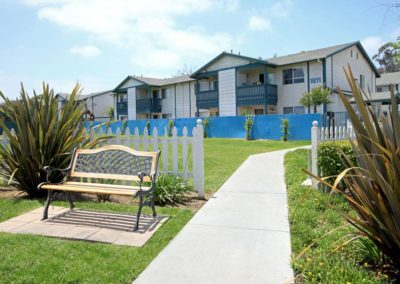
[[49, 170]]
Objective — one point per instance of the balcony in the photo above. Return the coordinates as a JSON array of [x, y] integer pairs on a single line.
[[122, 108], [148, 105], [256, 95], [207, 99]]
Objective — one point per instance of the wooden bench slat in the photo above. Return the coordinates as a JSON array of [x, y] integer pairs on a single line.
[[105, 185], [91, 189]]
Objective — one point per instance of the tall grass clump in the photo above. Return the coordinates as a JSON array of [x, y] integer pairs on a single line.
[[45, 136], [372, 188]]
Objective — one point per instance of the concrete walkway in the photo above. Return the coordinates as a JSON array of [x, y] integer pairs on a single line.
[[241, 235]]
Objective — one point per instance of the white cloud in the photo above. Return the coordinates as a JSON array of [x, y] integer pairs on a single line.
[[85, 50], [281, 9], [372, 44], [142, 27], [257, 23]]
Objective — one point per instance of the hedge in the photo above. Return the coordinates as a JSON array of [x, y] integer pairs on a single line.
[[331, 161]]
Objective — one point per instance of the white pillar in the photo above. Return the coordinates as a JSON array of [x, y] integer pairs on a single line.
[[198, 163], [314, 151], [131, 103]]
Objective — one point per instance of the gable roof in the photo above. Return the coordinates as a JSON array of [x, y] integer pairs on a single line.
[[320, 53], [163, 82], [156, 82], [81, 97], [224, 53], [388, 79]]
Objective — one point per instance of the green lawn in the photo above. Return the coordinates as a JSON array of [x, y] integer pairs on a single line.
[[35, 259], [313, 214]]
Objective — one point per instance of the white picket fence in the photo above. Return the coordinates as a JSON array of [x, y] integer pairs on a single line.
[[323, 134], [175, 151]]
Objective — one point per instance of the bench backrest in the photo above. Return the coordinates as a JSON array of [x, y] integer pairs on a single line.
[[114, 162]]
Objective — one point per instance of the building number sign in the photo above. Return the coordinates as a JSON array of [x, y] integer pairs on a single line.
[[315, 80]]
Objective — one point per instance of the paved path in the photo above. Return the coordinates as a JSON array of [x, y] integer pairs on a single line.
[[241, 235]]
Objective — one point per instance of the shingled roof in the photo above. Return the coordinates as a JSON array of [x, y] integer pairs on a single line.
[[162, 82], [308, 55]]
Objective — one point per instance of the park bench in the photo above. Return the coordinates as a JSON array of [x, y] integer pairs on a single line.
[[102, 171]]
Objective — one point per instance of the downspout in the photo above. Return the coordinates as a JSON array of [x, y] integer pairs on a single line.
[[149, 95], [266, 89], [308, 76], [196, 90], [190, 100], [175, 100], [324, 81]]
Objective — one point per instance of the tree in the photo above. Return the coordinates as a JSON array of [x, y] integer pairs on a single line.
[[315, 98], [110, 113], [388, 57], [306, 101]]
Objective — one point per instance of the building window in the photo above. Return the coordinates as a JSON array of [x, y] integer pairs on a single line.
[[165, 94], [299, 110], [351, 53], [258, 111], [122, 98], [214, 85], [357, 55], [362, 81], [287, 110], [293, 76], [261, 78], [294, 110], [379, 89], [166, 115], [155, 94]]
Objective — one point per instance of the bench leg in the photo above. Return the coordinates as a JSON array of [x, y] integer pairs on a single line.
[[138, 213], [47, 204], [71, 203], [153, 208]]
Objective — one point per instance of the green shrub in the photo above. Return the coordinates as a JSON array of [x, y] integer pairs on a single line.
[[170, 127], [331, 161], [372, 188], [285, 129], [170, 189], [206, 123], [248, 126], [45, 136]]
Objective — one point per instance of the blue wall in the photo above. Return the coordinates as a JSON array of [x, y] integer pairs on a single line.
[[265, 126]]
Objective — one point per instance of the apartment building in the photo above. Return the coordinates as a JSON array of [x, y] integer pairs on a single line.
[[138, 97], [233, 84], [96, 103]]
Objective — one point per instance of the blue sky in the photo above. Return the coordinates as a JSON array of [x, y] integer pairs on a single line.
[[99, 42]]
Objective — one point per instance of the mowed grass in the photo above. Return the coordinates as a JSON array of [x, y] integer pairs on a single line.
[[36, 259], [223, 156], [316, 221]]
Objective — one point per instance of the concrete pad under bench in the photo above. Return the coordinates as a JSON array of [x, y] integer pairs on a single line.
[[78, 224]]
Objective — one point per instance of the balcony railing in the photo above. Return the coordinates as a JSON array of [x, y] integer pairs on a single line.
[[256, 95], [207, 99], [148, 105], [122, 108]]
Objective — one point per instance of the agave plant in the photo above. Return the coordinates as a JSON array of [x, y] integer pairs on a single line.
[[372, 188], [44, 136]]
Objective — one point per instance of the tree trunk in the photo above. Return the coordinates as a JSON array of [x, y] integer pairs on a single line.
[[315, 108]]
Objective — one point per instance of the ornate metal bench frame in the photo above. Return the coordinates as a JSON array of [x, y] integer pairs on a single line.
[[112, 162]]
